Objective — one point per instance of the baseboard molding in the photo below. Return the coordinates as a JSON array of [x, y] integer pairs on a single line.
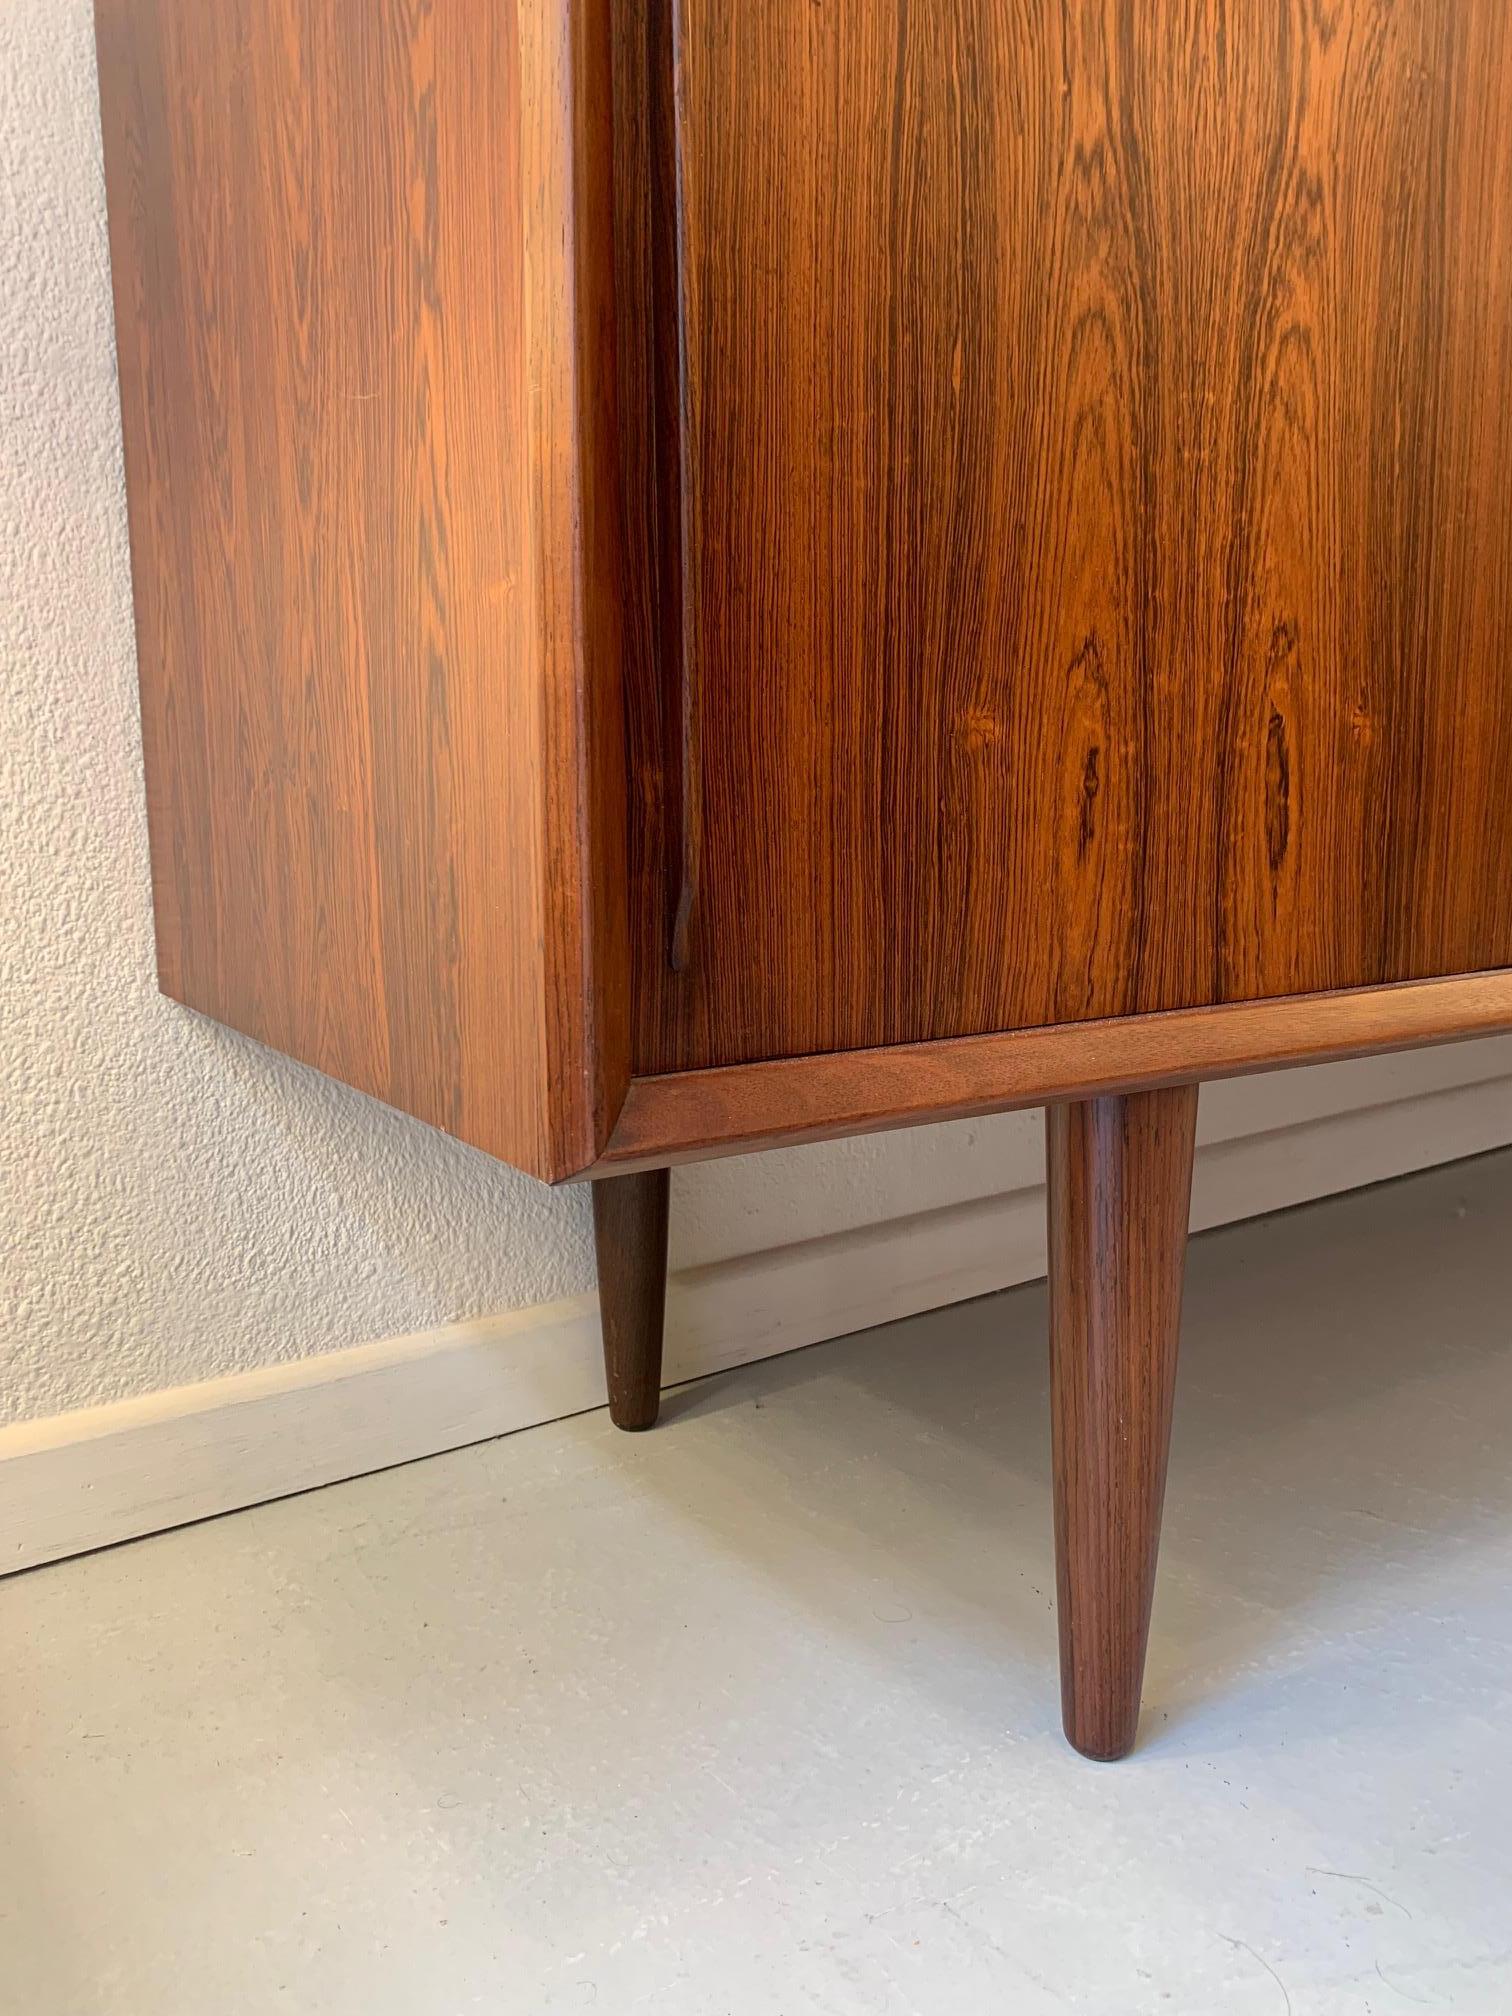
[[106, 1474]]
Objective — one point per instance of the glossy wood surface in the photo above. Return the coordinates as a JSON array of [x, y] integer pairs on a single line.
[[630, 1216], [364, 299], [1093, 425], [1119, 1192], [1050, 542], [692, 1115]]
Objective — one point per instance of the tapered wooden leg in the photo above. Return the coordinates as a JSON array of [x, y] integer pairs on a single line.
[[630, 1233], [1120, 1180]]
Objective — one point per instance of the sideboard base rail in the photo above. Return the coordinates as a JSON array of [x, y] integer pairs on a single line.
[[691, 1116]]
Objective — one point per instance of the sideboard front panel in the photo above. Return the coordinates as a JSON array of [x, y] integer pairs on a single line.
[[1094, 448]]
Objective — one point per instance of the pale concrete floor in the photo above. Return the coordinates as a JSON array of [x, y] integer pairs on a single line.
[[756, 1716]]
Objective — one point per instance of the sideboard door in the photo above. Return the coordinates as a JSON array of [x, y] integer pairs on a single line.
[[1081, 440]]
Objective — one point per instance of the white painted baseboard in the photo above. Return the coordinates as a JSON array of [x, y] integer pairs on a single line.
[[105, 1474]]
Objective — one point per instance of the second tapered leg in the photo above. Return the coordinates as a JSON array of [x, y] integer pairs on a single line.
[[1120, 1178], [630, 1235]]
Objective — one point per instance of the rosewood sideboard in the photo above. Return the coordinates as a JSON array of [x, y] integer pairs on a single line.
[[713, 573]]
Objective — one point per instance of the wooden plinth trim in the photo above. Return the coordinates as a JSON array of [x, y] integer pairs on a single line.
[[693, 1115]]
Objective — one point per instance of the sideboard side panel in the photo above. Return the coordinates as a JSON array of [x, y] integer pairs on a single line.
[[368, 566]]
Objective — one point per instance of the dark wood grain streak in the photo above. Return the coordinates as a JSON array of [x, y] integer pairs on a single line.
[[660, 700], [692, 1115], [1099, 554], [363, 267], [1119, 1182]]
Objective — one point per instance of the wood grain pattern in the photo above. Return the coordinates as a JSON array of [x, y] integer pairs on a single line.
[[630, 1215], [692, 1115], [1119, 1182], [364, 298], [1098, 564], [661, 742]]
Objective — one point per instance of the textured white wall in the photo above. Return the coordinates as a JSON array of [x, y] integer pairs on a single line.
[[175, 1202]]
